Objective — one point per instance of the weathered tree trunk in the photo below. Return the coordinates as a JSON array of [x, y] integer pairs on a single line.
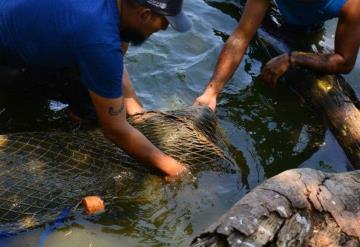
[[330, 96], [301, 207]]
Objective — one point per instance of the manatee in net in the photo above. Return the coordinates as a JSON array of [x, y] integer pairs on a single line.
[[43, 173]]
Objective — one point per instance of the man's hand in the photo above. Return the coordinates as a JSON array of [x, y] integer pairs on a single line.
[[275, 68], [112, 117], [183, 174], [133, 107], [207, 99], [176, 172]]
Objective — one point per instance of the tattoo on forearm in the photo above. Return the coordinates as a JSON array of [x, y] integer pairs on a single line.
[[114, 112]]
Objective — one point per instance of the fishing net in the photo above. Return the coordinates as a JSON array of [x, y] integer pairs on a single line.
[[43, 173]]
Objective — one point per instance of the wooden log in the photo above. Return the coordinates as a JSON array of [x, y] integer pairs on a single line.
[[330, 96], [300, 207]]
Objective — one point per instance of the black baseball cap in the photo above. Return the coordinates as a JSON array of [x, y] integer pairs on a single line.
[[172, 10]]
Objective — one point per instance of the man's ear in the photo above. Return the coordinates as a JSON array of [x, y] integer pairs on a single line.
[[145, 14]]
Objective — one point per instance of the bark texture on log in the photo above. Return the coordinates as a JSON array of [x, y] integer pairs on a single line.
[[300, 207], [333, 99]]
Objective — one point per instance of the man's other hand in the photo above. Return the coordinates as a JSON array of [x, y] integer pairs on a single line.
[[275, 68], [133, 107], [206, 100]]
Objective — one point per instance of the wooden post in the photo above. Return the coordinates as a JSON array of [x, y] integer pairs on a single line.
[[300, 207]]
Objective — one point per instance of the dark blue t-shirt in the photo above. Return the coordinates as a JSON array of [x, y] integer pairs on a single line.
[[65, 34], [309, 12]]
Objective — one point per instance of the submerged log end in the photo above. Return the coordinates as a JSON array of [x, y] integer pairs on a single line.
[[333, 99], [301, 207]]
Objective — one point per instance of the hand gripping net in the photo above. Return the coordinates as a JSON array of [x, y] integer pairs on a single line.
[[41, 173]]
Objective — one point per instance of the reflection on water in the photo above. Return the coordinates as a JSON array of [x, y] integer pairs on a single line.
[[278, 138], [268, 130]]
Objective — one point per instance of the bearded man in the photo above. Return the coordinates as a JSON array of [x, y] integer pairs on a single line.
[[43, 43]]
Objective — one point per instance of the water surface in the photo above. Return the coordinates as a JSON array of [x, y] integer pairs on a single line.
[[269, 131]]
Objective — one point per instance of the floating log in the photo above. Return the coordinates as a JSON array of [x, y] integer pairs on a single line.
[[330, 96], [300, 207]]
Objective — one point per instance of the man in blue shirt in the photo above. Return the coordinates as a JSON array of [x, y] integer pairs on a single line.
[[90, 35], [301, 13]]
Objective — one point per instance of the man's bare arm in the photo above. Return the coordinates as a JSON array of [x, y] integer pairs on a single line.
[[112, 117], [235, 47], [347, 42], [132, 102]]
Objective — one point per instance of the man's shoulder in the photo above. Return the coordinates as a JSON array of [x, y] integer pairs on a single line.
[[96, 23], [86, 8]]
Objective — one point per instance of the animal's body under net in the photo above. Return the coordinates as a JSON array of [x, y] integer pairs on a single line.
[[41, 173]]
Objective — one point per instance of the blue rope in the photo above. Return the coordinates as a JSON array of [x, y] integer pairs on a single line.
[[57, 223], [6, 234]]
